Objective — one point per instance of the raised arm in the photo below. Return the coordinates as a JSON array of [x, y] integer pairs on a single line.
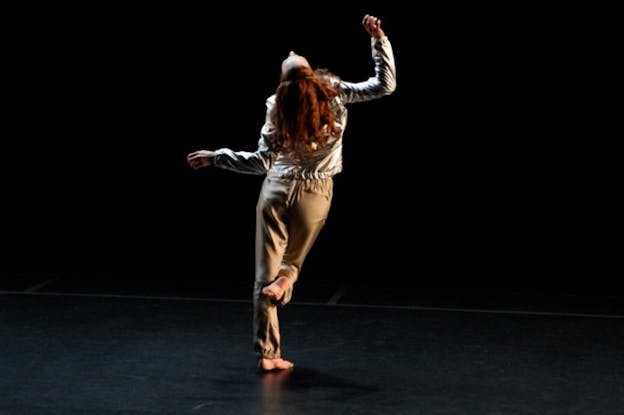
[[384, 81]]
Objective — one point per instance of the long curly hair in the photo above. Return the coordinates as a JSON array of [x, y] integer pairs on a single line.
[[302, 115]]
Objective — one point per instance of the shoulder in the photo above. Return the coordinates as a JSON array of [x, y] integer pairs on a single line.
[[331, 78], [270, 101], [334, 81]]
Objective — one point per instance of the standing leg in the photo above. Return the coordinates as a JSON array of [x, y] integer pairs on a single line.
[[271, 239], [290, 215]]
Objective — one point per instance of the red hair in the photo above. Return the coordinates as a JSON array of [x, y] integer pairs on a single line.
[[303, 115]]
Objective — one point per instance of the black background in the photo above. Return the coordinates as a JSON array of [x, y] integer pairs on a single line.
[[476, 172]]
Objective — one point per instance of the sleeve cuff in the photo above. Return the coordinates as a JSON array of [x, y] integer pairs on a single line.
[[217, 156]]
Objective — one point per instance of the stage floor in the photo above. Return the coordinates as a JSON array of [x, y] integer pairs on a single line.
[[101, 345]]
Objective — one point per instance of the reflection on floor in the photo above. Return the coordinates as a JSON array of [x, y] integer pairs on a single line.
[[74, 347]]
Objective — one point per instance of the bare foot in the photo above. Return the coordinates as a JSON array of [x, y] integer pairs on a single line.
[[268, 365], [276, 289]]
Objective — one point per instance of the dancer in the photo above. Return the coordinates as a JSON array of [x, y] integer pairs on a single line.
[[299, 151]]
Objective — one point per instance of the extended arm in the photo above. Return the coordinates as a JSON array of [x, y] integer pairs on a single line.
[[384, 81], [246, 162]]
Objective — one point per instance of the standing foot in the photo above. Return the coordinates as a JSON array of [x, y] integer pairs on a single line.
[[269, 365]]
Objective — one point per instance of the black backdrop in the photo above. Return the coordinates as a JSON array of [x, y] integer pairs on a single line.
[[468, 175]]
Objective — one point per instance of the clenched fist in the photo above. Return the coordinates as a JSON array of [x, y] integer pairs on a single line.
[[372, 25]]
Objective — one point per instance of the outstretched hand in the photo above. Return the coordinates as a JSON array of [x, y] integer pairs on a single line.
[[201, 158], [372, 25]]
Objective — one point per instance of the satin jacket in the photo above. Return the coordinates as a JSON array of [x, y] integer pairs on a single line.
[[327, 161]]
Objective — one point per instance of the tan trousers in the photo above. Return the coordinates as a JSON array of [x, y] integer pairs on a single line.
[[289, 216]]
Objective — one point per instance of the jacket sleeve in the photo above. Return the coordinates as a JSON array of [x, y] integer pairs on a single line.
[[384, 81], [257, 162]]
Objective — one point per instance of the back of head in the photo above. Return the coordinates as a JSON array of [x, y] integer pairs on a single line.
[[302, 115]]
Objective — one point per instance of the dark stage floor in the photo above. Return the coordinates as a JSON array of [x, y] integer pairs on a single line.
[[101, 345]]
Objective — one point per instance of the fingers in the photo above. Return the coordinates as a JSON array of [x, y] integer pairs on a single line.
[[193, 160], [195, 164], [199, 163], [371, 22], [199, 159]]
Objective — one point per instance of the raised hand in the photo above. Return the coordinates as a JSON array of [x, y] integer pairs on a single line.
[[372, 25]]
